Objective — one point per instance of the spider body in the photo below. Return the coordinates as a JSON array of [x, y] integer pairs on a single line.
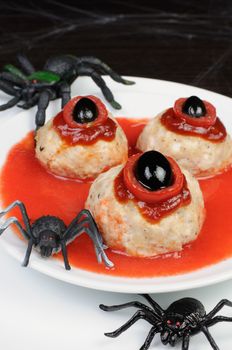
[[49, 234], [182, 316], [181, 320], [48, 231], [31, 87], [65, 67]]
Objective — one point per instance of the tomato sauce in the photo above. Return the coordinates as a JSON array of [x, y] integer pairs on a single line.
[[214, 133], [84, 136], [152, 212], [25, 179]]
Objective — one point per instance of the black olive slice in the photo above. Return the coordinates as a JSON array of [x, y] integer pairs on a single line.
[[153, 171], [194, 107], [85, 111]]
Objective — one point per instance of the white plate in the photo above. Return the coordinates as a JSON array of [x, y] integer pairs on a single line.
[[145, 99]]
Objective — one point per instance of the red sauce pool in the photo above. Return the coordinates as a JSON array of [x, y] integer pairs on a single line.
[[23, 178], [214, 133]]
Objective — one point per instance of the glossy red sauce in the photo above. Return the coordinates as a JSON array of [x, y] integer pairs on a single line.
[[84, 136], [214, 133], [152, 212], [23, 178]]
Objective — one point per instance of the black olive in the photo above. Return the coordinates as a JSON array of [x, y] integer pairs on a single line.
[[194, 107], [85, 111], [153, 171]]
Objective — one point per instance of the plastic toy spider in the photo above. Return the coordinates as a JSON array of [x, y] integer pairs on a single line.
[[54, 81], [49, 234], [182, 319]]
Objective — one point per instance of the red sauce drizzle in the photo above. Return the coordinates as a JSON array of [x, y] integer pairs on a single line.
[[24, 178], [214, 133], [84, 136], [151, 212]]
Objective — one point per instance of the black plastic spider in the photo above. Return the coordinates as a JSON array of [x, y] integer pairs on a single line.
[[182, 319], [54, 81], [49, 234]]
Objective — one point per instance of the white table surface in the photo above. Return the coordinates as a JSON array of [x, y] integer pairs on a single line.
[[39, 312]]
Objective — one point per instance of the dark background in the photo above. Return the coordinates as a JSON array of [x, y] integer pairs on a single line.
[[184, 41]]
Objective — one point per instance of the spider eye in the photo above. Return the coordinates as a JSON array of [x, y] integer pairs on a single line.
[[178, 324], [169, 322]]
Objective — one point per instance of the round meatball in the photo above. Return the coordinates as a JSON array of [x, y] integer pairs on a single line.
[[79, 161], [199, 156], [124, 228]]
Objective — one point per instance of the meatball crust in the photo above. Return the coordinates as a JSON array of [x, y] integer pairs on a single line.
[[199, 156], [79, 161], [124, 228]]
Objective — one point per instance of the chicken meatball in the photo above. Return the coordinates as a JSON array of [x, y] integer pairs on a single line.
[[167, 213], [81, 141], [203, 147]]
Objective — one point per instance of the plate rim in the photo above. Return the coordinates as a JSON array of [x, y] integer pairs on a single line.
[[44, 267]]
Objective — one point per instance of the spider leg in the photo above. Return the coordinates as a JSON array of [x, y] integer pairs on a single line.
[[137, 316], [193, 319], [217, 319], [150, 337], [105, 69], [28, 253], [12, 78], [27, 234], [185, 342], [79, 226], [25, 216], [165, 336], [97, 239], [15, 71], [10, 103], [69, 231], [99, 249], [25, 63], [136, 304], [93, 226], [83, 70], [155, 305], [8, 88], [173, 339], [13, 220], [83, 219], [218, 307], [74, 228], [65, 255], [87, 219], [86, 214], [210, 338], [65, 93], [32, 102], [42, 106]]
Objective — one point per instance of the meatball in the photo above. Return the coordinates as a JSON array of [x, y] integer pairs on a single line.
[[79, 161], [200, 156], [125, 229]]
